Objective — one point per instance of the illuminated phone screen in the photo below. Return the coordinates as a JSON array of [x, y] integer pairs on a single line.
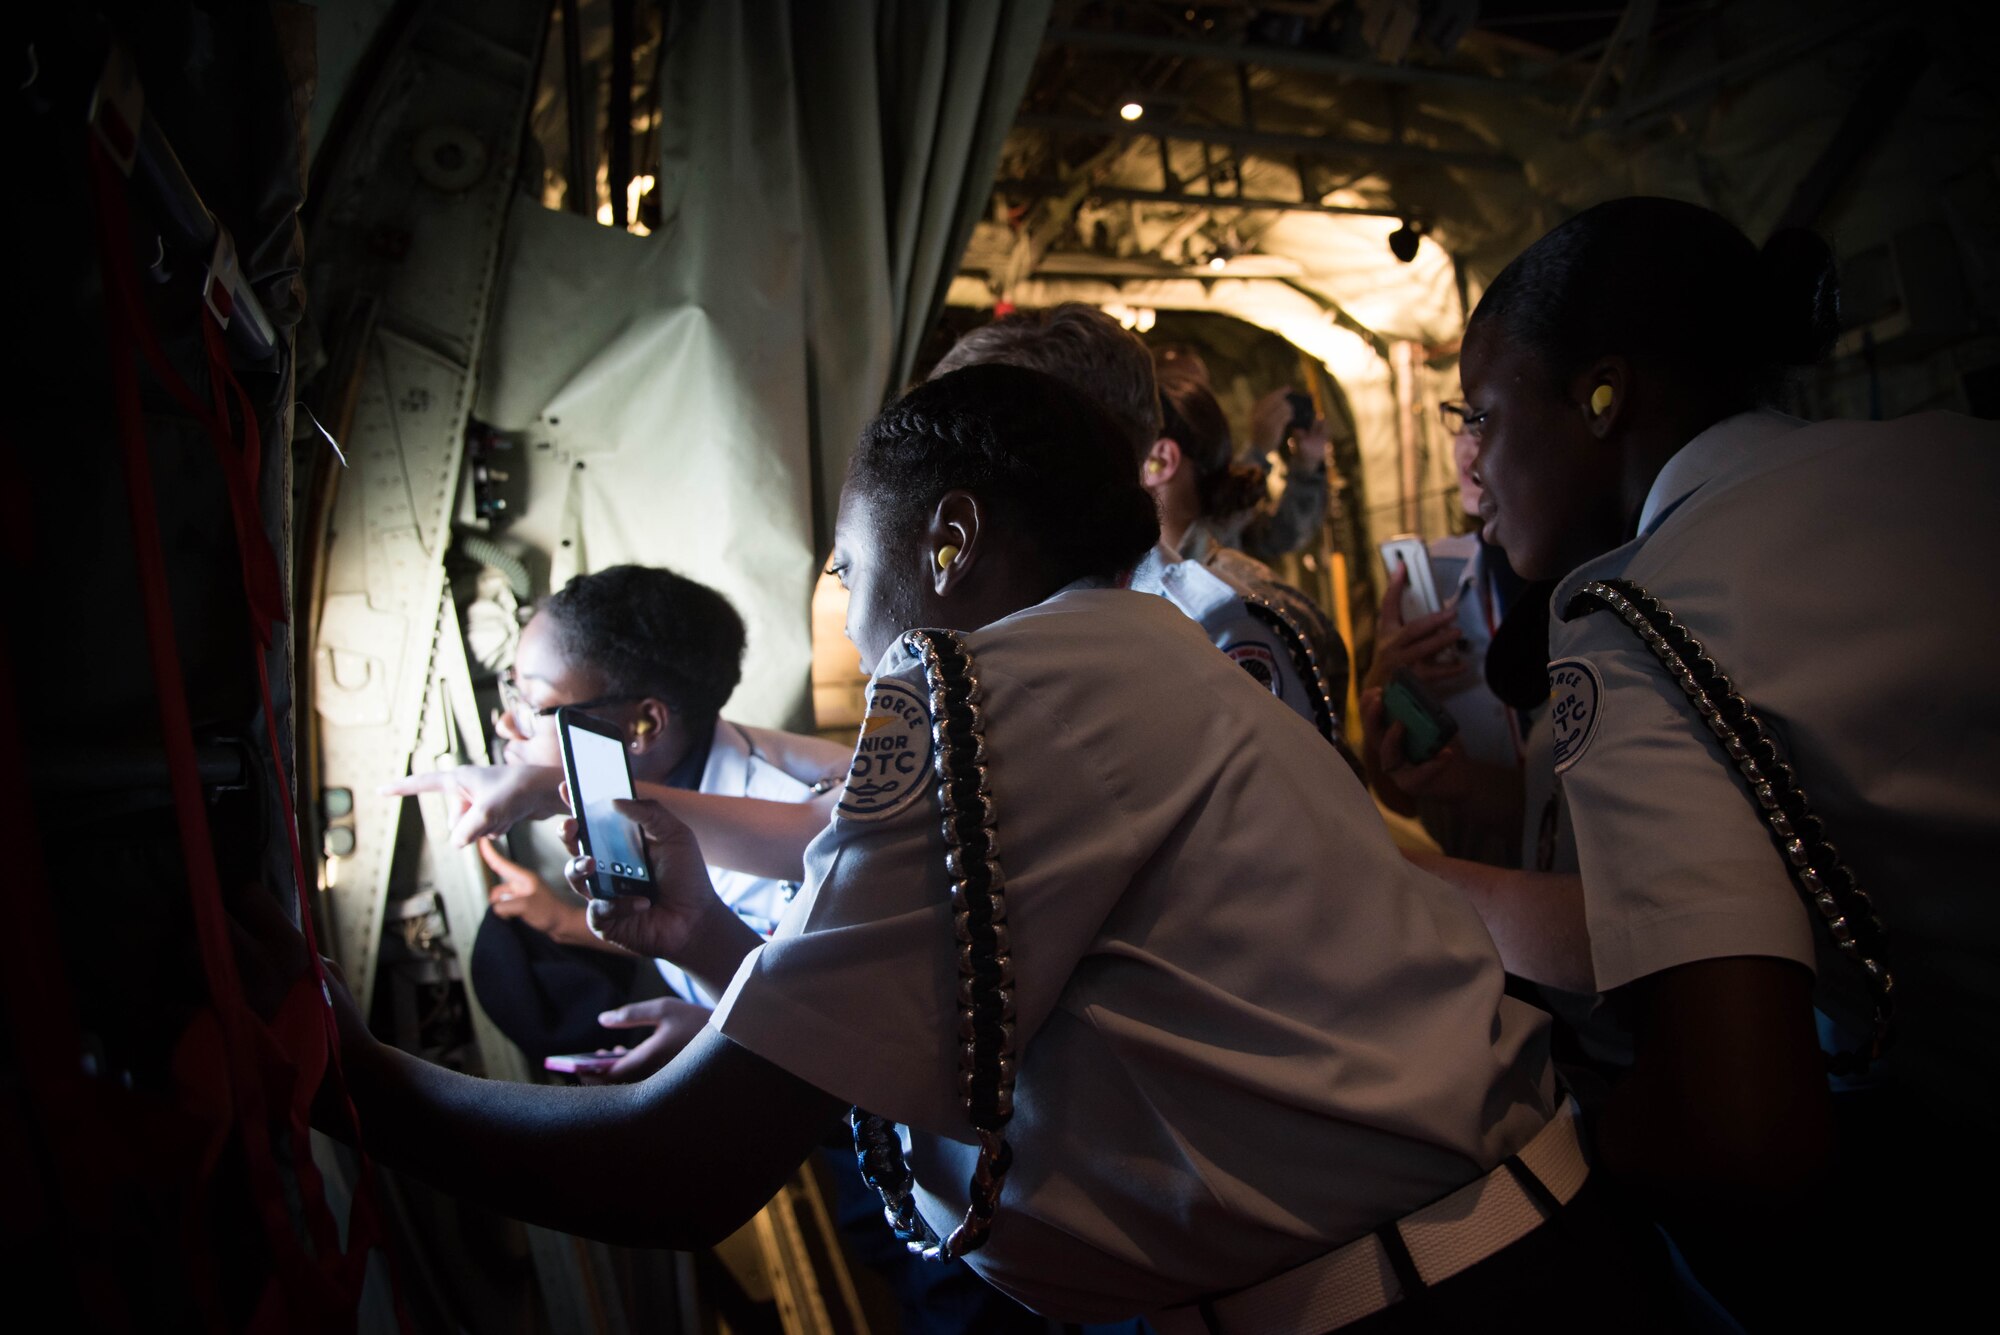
[[601, 779]]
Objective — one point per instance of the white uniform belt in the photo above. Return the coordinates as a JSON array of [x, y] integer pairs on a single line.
[[1359, 1279]]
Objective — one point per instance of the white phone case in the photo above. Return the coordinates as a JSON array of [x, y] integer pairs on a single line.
[[1420, 597]]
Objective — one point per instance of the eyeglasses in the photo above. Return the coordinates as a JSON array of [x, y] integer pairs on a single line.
[[526, 715], [1459, 418]]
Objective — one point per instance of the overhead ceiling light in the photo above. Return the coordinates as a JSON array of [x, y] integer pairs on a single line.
[[1218, 261], [1403, 241], [1132, 111]]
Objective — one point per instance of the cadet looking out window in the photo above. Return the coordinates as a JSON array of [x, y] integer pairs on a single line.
[[1171, 1090], [656, 655]]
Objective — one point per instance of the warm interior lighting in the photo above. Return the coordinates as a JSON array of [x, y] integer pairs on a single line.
[[1218, 261], [839, 681], [1132, 111], [1140, 318], [635, 190]]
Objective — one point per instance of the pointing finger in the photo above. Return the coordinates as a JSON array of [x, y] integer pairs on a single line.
[[503, 867], [637, 1016]]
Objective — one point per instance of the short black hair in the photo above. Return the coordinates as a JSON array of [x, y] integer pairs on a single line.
[[1660, 278], [652, 634], [1038, 452]]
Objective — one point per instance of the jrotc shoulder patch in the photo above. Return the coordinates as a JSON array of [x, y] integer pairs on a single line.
[[892, 759], [1575, 696], [1258, 660]]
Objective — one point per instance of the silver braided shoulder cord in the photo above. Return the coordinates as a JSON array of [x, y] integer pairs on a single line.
[[1826, 882], [986, 1064]]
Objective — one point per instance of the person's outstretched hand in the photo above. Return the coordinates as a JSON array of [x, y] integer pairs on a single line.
[[674, 1022], [1270, 419], [488, 799], [519, 893]]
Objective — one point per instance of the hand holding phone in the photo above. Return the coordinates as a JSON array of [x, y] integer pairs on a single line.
[[1408, 553], [599, 774], [684, 904], [1427, 725], [583, 1063]]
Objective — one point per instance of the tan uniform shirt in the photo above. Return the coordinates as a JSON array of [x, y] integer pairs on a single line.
[[1837, 573], [779, 767], [1251, 1031]]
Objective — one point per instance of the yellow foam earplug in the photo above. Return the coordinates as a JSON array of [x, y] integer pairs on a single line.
[[1600, 400], [946, 555]]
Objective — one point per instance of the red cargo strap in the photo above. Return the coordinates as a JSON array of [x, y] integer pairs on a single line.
[[289, 1059]]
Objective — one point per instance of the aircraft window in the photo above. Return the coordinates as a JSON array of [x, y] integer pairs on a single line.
[[596, 118]]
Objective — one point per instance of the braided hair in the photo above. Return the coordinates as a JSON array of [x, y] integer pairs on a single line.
[[1043, 458], [1674, 282], [653, 634]]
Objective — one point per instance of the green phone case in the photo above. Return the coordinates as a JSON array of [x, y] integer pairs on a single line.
[[1427, 725]]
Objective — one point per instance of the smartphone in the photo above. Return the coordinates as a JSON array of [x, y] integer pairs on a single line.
[[582, 1063], [1406, 551], [1303, 412], [1427, 725], [593, 753]]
